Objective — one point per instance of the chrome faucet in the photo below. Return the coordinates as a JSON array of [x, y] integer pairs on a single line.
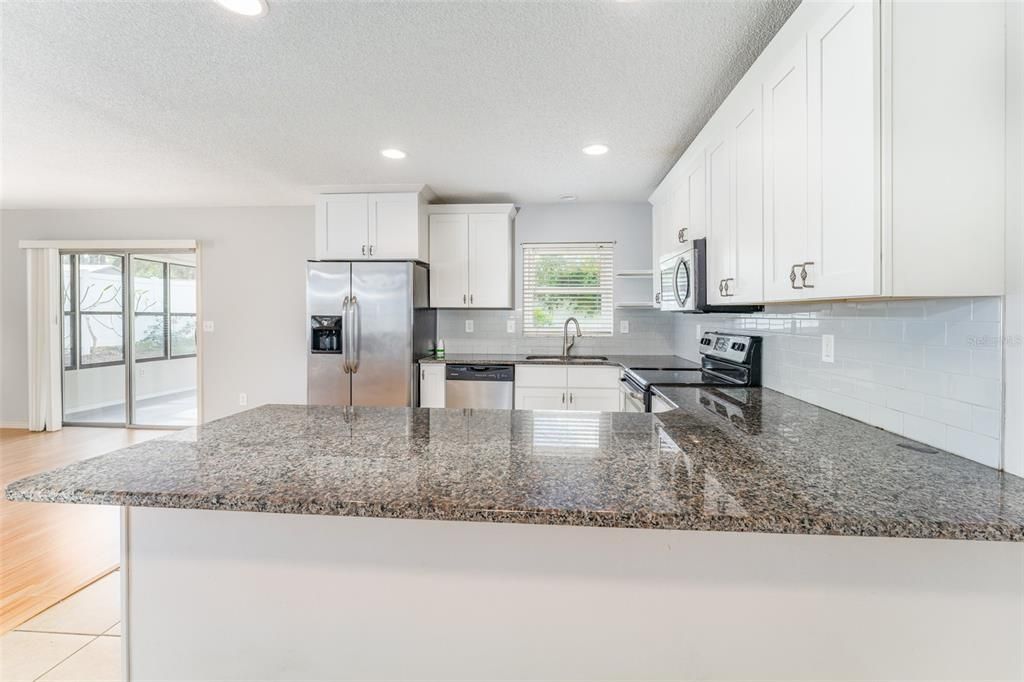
[[566, 343]]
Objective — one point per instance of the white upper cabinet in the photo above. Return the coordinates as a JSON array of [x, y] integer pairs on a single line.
[[371, 226], [880, 137], [490, 260], [785, 175], [735, 230], [394, 225], [471, 255], [341, 226], [843, 227], [449, 258]]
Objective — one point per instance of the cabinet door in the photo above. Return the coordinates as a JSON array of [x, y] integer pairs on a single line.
[[342, 232], [432, 378], [394, 225], [449, 258], [530, 398], [721, 244], [785, 175], [490, 261], [844, 220], [748, 202], [594, 399], [696, 198]]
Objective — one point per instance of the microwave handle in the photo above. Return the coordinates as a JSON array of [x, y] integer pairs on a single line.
[[675, 282]]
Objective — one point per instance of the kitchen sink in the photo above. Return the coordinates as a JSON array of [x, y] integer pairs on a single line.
[[566, 358]]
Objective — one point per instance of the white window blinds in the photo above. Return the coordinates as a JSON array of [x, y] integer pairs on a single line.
[[567, 280]]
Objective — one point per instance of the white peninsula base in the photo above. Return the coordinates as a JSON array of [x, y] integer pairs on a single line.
[[252, 596]]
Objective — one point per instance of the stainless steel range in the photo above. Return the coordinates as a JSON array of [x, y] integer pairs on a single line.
[[726, 360]]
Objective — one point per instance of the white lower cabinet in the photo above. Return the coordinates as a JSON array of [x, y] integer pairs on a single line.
[[539, 398], [432, 378], [563, 387]]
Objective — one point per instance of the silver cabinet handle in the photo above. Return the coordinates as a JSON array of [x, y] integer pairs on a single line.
[[570, 398], [355, 335], [726, 283], [563, 398], [681, 235], [344, 336], [792, 277], [364, 249], [721, 287], [371, 249], [803, 275], [423, 375], [463, 298], [471, 299], [657, 297]]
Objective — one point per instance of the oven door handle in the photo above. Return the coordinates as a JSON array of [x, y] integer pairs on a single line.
[[629, 389]]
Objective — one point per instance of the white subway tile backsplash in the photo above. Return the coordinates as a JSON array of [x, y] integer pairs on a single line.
[[951, 360], [974, 446], [925, 332], [977, 391], [928, 369], [986, 422], [951, 412]]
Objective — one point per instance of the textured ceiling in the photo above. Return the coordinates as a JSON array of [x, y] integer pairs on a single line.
[[177, 102]]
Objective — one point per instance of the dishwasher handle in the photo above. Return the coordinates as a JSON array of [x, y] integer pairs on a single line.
[[480, 373]]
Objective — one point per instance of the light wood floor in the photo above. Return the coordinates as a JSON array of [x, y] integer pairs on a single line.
[[48, 551]]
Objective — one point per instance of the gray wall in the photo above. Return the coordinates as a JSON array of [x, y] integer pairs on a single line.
[[253, 289], [629, 226]]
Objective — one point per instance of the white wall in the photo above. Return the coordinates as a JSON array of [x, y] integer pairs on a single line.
[[1014, 347], [252, 288], [626, 224], [930, 369]]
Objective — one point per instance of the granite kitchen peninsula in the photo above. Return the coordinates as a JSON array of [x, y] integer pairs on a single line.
[[295, 542]]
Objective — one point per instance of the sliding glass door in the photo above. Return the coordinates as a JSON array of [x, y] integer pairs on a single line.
[[149, 298]]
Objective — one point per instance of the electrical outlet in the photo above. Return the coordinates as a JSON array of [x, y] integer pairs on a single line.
[[510, 326], [207, 325], [624, 327], [469, 326], [828, 348], [243, 399]]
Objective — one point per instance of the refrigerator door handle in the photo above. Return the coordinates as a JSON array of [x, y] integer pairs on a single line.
[[356, 332], [344, 335]]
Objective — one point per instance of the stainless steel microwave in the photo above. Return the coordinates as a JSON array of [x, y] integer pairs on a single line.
[[683, 278]]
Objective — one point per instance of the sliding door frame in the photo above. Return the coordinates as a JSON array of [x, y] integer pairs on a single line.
[[128, 331]]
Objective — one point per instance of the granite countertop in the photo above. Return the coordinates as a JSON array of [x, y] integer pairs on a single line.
[[725, 460], [624, 361]]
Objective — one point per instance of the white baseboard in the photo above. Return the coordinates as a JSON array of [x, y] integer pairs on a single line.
[[13, 424]]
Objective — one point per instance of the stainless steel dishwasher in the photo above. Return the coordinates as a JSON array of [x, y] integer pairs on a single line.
[[479, 386]]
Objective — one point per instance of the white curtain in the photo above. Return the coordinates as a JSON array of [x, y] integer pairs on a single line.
[[45, 359]]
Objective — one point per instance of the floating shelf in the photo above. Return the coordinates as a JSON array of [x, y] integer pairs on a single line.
[[635, 273], [635, 304]]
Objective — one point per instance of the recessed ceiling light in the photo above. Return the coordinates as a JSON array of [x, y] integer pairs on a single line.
[[249, 8], [568, 197], [392, 153], [595, 149]]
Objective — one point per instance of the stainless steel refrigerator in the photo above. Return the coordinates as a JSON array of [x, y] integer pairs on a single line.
[[367, 324]]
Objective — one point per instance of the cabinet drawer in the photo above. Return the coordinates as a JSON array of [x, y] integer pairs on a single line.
[[541, 376], [593, 377]]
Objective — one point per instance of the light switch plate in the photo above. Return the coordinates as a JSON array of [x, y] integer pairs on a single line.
[[207, 325], [469, 326], [243, 399], [624, 327], [510, 326], [828, 348]]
